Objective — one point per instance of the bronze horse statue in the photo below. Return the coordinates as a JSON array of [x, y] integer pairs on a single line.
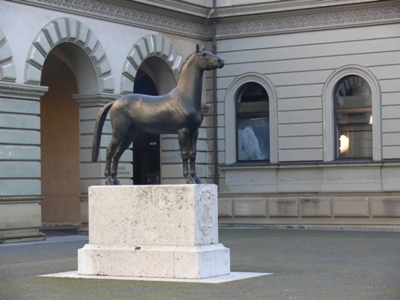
[[177, 112]]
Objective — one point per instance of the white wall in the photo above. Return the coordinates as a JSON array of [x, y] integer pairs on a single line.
[[22, 23], [299, 64]]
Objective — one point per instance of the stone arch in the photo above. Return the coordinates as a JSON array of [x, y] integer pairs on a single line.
[[328, 121], [230, 114], [67, 30], [150, 45], [7, 67]]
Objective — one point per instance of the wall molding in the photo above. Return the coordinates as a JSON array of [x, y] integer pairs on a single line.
[[148, 46], [250, 22], [7, 66], [128, 15], [22, 91], [294, 22]]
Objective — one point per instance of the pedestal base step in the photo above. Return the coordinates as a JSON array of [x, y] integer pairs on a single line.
[[187, 262]]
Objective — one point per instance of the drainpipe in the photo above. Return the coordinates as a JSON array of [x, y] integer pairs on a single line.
[[216, 175]]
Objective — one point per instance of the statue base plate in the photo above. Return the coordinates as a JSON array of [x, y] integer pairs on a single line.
[[233, 276]]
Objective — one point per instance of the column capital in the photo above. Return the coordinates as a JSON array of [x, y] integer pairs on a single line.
[[22, 91], [94, 99]]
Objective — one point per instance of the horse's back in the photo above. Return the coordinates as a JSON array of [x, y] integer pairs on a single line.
[[154, 114]]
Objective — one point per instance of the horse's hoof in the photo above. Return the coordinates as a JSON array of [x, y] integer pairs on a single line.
[[190, 180], [197, 180], [117, 182]]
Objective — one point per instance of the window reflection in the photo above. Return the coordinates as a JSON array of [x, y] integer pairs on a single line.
[[252, 123], [353, 116]]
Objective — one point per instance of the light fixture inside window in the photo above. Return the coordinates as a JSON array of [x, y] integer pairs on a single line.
[[344, 144]]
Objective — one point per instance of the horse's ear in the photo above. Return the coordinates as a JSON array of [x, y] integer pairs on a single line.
[[197, 48]]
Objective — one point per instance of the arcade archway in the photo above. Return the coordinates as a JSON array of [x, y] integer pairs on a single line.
[[67, 57], [60, 141]]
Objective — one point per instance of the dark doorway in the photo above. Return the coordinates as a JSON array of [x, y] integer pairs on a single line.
[[59, 118], [146, 147]]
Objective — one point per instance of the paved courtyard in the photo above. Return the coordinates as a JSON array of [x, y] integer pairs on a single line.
[[306, 264]]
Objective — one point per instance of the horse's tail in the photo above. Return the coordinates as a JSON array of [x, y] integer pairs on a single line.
[[98, 129]]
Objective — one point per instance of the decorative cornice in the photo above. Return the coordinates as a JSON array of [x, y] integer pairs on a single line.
[[126, 15], [235, 21], [232, 10], [186, 9], [311, 21]]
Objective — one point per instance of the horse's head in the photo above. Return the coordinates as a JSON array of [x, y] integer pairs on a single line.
[[207, 60]]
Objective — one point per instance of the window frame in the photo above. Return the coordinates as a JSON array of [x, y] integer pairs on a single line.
[[248, 116], [230, 132], [329, 112]]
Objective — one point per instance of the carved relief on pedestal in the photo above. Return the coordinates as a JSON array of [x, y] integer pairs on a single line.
[[207, 221]]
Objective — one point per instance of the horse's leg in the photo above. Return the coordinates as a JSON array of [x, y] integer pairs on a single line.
[[192, 156], [120, 150], [112, 147], [184, 140]]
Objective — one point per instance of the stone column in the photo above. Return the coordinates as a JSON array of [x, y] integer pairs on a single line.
[[92, 173], [20, 171]]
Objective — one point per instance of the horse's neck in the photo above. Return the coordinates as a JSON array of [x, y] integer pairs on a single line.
[[190, 82]]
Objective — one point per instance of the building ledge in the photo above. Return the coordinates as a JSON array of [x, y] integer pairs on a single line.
[[305, 165]]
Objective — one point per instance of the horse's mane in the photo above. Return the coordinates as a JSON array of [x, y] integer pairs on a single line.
[[189, 57], [185, 61]]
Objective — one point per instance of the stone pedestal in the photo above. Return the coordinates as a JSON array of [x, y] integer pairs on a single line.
[[164, 231]]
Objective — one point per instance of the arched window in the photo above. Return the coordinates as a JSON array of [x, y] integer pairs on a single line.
[[353, 118], [352, 115], [252, 123]]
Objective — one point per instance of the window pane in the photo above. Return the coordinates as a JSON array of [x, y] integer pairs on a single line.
[[353, 115], [253, 139], [353, 91], [252, 98], [355, 135], [249, 107], [252, 123]]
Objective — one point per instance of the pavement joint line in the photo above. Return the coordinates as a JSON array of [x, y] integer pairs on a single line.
[[233, 276], [50, 240]]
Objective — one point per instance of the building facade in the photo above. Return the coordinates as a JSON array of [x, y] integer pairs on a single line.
[[300, 129]]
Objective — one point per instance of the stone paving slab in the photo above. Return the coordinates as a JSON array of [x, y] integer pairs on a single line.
[[306, 265]]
